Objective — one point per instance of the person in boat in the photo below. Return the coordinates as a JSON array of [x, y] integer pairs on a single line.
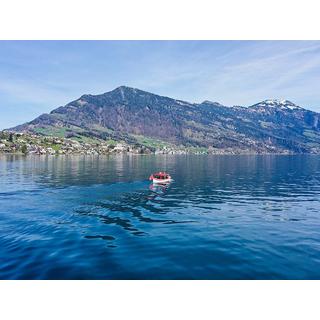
[[160, 176]]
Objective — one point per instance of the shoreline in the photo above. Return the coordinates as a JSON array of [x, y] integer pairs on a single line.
[[153, 154], [35, 144]]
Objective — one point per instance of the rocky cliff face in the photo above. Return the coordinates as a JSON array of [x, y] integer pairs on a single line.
[[125, 113]]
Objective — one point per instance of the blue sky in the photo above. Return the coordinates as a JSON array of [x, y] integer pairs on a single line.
[[38, 76]]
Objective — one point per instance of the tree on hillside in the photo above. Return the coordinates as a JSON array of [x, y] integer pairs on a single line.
[[24, 149]]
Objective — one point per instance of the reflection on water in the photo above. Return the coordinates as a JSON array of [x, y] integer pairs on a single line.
[[223, 217], [158, 189]]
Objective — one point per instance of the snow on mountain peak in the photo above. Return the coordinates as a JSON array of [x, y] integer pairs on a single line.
[[276, 103]]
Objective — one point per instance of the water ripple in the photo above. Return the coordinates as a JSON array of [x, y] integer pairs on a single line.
[[224, 217]]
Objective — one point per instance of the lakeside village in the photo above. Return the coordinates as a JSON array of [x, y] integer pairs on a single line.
[[39, 144], [27, 143]]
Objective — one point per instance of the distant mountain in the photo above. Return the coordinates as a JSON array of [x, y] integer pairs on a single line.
[[128, 114]]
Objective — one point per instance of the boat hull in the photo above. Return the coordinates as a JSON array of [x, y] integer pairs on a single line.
[[161, 181]]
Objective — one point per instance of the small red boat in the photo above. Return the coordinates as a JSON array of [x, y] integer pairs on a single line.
[[160, 177]]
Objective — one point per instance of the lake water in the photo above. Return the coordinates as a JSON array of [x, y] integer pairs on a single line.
[[223, 217]]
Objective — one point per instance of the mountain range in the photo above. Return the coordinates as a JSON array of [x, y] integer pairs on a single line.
[[136, 116]]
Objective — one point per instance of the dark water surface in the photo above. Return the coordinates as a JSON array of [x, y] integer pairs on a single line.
[[224, 217]]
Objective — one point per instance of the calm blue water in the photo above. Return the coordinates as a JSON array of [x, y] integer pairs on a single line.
[[224, 217]]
